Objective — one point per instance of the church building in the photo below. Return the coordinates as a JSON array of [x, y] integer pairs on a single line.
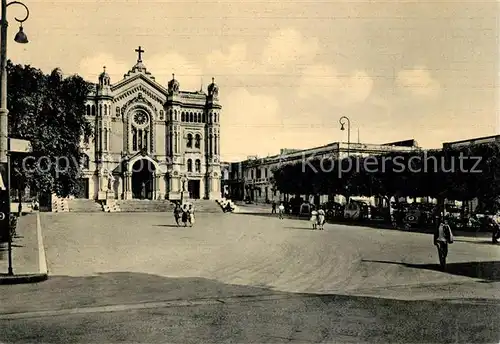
[[151, 141]]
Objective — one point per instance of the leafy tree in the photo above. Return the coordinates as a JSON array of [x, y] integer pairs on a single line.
[[48, 111]]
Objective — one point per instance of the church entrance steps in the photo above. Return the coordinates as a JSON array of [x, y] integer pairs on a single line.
[[138, 205], [60, 205], [111, 206], [205, 206], [81, 205], [223, 202]]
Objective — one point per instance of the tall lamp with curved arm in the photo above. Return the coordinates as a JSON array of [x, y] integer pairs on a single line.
[[345, 120], [4, 120]]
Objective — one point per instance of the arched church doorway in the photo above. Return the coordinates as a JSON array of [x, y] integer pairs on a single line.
[[143, 179]]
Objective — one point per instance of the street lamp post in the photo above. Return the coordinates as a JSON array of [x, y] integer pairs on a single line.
[[4, 120], [343, 120], [19, 38]]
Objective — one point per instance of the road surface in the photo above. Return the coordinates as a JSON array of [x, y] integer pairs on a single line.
[[246, 279]]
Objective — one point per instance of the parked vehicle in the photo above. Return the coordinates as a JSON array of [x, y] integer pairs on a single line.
[[357, 210]]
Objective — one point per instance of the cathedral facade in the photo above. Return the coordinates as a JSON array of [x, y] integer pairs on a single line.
[[151, 141]]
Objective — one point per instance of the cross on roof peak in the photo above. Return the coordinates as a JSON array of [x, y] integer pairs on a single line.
[[139, 51], [104, 69]]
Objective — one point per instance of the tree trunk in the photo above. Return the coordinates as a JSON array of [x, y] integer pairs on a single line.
[[20, 206]]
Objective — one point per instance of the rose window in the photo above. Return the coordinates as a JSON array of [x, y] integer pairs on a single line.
[[140, 118]]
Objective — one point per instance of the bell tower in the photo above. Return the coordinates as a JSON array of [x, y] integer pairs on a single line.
[[213, 175]]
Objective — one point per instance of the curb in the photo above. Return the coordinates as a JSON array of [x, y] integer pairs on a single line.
[[43, 273], [23, 279], [42, 259]]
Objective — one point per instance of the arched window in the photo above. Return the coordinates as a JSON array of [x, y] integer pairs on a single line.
[[191, 117], [210, 118], [85, 161], [203, 118], [197, 141], [88, 110], [175, 115], [100, 110], [105, 110], [215, 118], [195, 118], [215, 144], [189, 141], [105, 139], [183, 117], [190, 165], [93, 110], [197, 165], [199, 118]]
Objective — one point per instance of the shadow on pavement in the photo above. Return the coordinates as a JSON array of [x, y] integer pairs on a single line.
[[481, 242], [173, 226], [197, 310], [488, 271]]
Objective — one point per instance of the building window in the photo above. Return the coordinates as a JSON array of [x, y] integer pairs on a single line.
[[190, 165], [197, 141], [191, 119], [100, 110], [197, 165], [134, 139], [93, 110], [88, 110], [85, 161], [258, 173], [199, 118], [183, 117], [215, 118], [203, 118], [105, 139], [251, 173], [105, 110], [117, 111], [189, 141], [265, 172]]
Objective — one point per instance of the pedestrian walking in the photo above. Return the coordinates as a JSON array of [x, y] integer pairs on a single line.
[[321, 219], [314, 219], [442, 237], [184, 215], [495, 230], [281, 210], [191, 215], [273, 207], [177, 213]]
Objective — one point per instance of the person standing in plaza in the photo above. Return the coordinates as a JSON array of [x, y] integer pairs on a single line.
[[191, 215], [185, 215], [442, 237], [177, 213], [281, 210], [321, 219], [273, 207], [314, 219]]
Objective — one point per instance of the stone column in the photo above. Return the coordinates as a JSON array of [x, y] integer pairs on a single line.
[[128, 185], [160, 186]]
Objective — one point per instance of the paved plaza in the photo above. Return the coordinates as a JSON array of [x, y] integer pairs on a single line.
[[241, 278]]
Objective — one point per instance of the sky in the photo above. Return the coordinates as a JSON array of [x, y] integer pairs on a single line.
[[288, 70]]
